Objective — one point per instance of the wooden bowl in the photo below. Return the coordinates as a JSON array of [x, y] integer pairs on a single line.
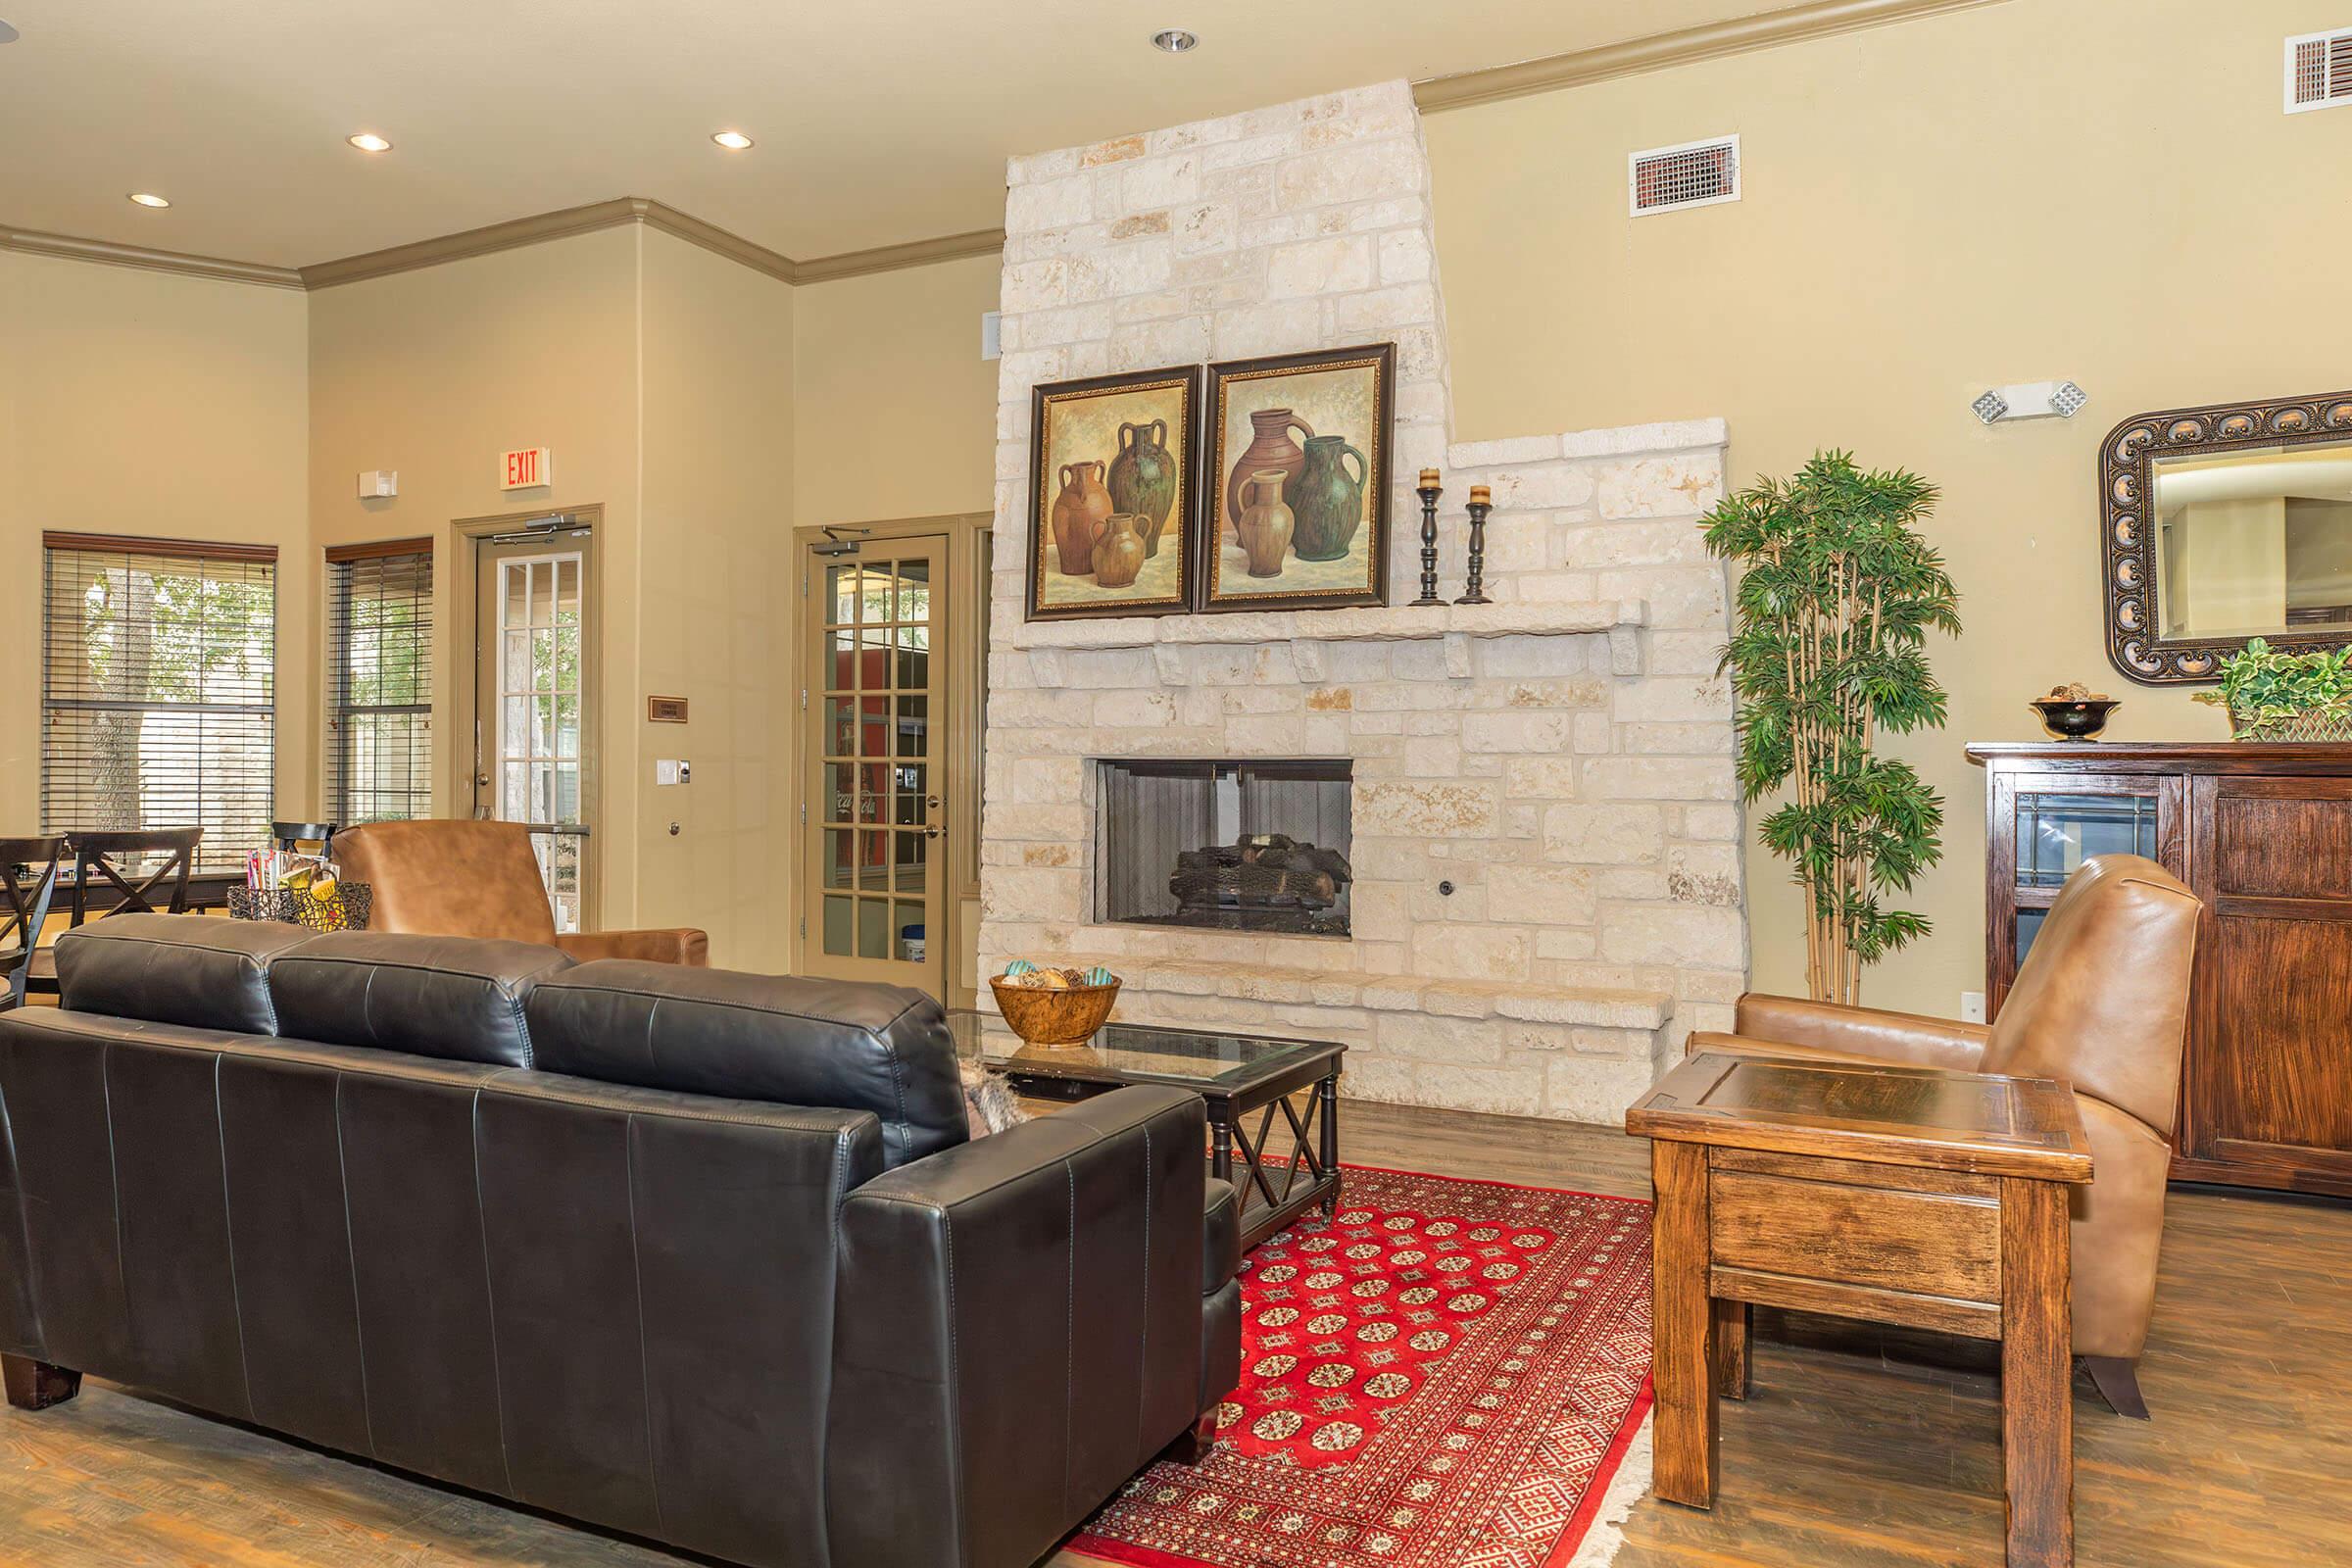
[[1046, 1017]]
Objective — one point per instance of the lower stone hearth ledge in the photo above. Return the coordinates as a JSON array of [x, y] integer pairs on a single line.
[[1574, 1053]]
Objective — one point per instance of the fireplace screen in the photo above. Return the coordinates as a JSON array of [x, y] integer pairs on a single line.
[[1257, 845]]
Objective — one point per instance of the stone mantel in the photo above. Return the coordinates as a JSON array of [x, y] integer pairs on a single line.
[[1392, 625]]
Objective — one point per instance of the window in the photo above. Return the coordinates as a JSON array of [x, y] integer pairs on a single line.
[[159, 692], [380, 682]]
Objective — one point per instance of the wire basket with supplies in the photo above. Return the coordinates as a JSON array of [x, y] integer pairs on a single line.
[[322, 907]]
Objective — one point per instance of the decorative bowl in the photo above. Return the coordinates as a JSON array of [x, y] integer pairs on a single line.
[[2076, 719], [1045, 1016]]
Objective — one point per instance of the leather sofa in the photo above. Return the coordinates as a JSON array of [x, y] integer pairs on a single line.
[[700, 1256], [461, 878], [2101, 1003]]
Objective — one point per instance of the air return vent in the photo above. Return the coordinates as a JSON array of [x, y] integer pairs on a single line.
[[1695, 174], [2318, 70]]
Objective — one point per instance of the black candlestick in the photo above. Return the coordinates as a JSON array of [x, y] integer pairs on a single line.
[[1475, 588], [1429, 492]]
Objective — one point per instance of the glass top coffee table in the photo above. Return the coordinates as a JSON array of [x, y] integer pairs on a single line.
[[1239, 1075]]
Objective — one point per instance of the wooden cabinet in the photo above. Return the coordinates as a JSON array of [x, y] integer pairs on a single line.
[[2263, 834]]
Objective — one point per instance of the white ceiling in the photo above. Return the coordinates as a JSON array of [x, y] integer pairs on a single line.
[[877, 121]]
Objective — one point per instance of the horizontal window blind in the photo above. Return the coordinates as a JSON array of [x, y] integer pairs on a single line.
[[380, 682], [159, 690]]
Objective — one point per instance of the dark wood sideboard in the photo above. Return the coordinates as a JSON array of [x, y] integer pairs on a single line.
[[2263, 834]]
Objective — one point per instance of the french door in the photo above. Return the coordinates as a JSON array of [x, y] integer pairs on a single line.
[[534, 712], [875, 730]]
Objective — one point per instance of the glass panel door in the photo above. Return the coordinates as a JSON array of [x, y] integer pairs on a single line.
[[532, 757], [874, 728]]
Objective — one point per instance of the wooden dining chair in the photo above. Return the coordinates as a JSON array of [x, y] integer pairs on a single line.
[[98, 860], [292, 836], [27, 883]]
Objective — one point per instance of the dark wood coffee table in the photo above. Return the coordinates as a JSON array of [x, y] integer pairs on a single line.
[[1239, 1075], [1901, 1195]]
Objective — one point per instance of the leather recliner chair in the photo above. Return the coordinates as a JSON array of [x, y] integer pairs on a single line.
[[462, 878], [702, 1256], [2100, 1002]]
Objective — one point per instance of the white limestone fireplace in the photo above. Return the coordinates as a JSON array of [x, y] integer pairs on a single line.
[[1545, 819]]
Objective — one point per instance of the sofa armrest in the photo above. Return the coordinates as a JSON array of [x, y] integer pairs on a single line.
[[680, 945], [1861, 1032], [1019, 1331]]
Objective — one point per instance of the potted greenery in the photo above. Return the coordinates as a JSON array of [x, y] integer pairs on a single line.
[[2272, 696], [1833, 613]]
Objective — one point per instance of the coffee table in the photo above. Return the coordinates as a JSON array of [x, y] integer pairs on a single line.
[[1239, 1075]]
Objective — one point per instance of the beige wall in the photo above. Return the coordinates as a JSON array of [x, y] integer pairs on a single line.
[[895, 411], [433, 373], [144, 402], [2099, 189], [716, 614]]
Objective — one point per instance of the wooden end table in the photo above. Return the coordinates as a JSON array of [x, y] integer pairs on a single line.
[[1901, 1195]]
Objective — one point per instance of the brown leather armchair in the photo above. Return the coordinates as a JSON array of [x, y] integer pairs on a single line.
[[480, 879], [2101, 1003]]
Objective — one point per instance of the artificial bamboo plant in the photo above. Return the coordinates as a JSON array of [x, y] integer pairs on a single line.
[[1833, 613]]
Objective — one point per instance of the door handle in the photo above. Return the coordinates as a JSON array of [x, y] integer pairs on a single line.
[[932, 831]]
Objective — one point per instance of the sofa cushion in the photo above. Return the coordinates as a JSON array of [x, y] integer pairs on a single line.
[[776, 1038], [460, 999], [192, 969]]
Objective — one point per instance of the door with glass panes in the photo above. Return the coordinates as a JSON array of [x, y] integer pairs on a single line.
[[534, 712], [874, 861]]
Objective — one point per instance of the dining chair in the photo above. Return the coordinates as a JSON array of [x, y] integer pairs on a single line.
[[292, 836], [27, 883], [98, 861]]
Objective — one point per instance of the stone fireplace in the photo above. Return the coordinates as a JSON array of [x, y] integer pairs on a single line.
[[1541, 819]]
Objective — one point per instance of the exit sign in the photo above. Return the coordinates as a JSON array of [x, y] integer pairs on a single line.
[[524, 470]]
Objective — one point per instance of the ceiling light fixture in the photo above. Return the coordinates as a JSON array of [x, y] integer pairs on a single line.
[[7, 34], [734, 141], [148, 198], [367, 141], [1175, 40]]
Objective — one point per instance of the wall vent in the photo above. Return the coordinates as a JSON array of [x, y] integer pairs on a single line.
[[2318, 70], [1695, 174]]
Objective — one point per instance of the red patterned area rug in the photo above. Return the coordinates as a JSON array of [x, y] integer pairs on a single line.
[[1445, 1375]]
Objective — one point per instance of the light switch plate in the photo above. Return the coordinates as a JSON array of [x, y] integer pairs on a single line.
[[1972, 1006], [667, 771]]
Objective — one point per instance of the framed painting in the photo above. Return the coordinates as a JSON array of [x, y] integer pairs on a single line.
[[1299, 449], [1114, 494]]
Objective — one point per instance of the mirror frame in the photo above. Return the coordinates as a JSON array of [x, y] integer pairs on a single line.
[[2126, 482]]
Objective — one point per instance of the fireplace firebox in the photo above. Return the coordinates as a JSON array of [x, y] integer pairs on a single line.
[[1230, 846]]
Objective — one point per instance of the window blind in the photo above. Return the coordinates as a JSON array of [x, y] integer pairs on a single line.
[[379, 743], [159, 694]]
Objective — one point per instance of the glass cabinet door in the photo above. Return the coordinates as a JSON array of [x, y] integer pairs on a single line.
[[2056, 832]]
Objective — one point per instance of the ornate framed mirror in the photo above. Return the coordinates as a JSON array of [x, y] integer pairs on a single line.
[[2224, 523]]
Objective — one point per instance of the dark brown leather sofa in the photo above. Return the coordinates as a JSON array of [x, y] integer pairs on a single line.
[[701, 1257]]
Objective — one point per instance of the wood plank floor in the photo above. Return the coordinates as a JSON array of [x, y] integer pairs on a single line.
[[1861, 1448]]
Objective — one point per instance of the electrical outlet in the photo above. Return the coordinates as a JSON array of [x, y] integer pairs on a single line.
[[1972, 1006]]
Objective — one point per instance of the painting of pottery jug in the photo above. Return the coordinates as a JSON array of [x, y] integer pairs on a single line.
[[1119, 553], [1325, 501], [1143, 479], [1271, 448], [1079, 513], [1265, 523]]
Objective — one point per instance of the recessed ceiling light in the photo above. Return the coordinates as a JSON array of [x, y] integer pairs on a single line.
[[732, 140], [148, 198], [367, 141], [1175, 40]]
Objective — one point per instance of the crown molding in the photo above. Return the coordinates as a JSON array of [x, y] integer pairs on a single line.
[[892, 258], [487, 240], [69, 247], [714, 239], [1822, 19]]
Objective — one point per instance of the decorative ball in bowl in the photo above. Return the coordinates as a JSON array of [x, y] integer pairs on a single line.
[[1054, 1006], [2075, 713]]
